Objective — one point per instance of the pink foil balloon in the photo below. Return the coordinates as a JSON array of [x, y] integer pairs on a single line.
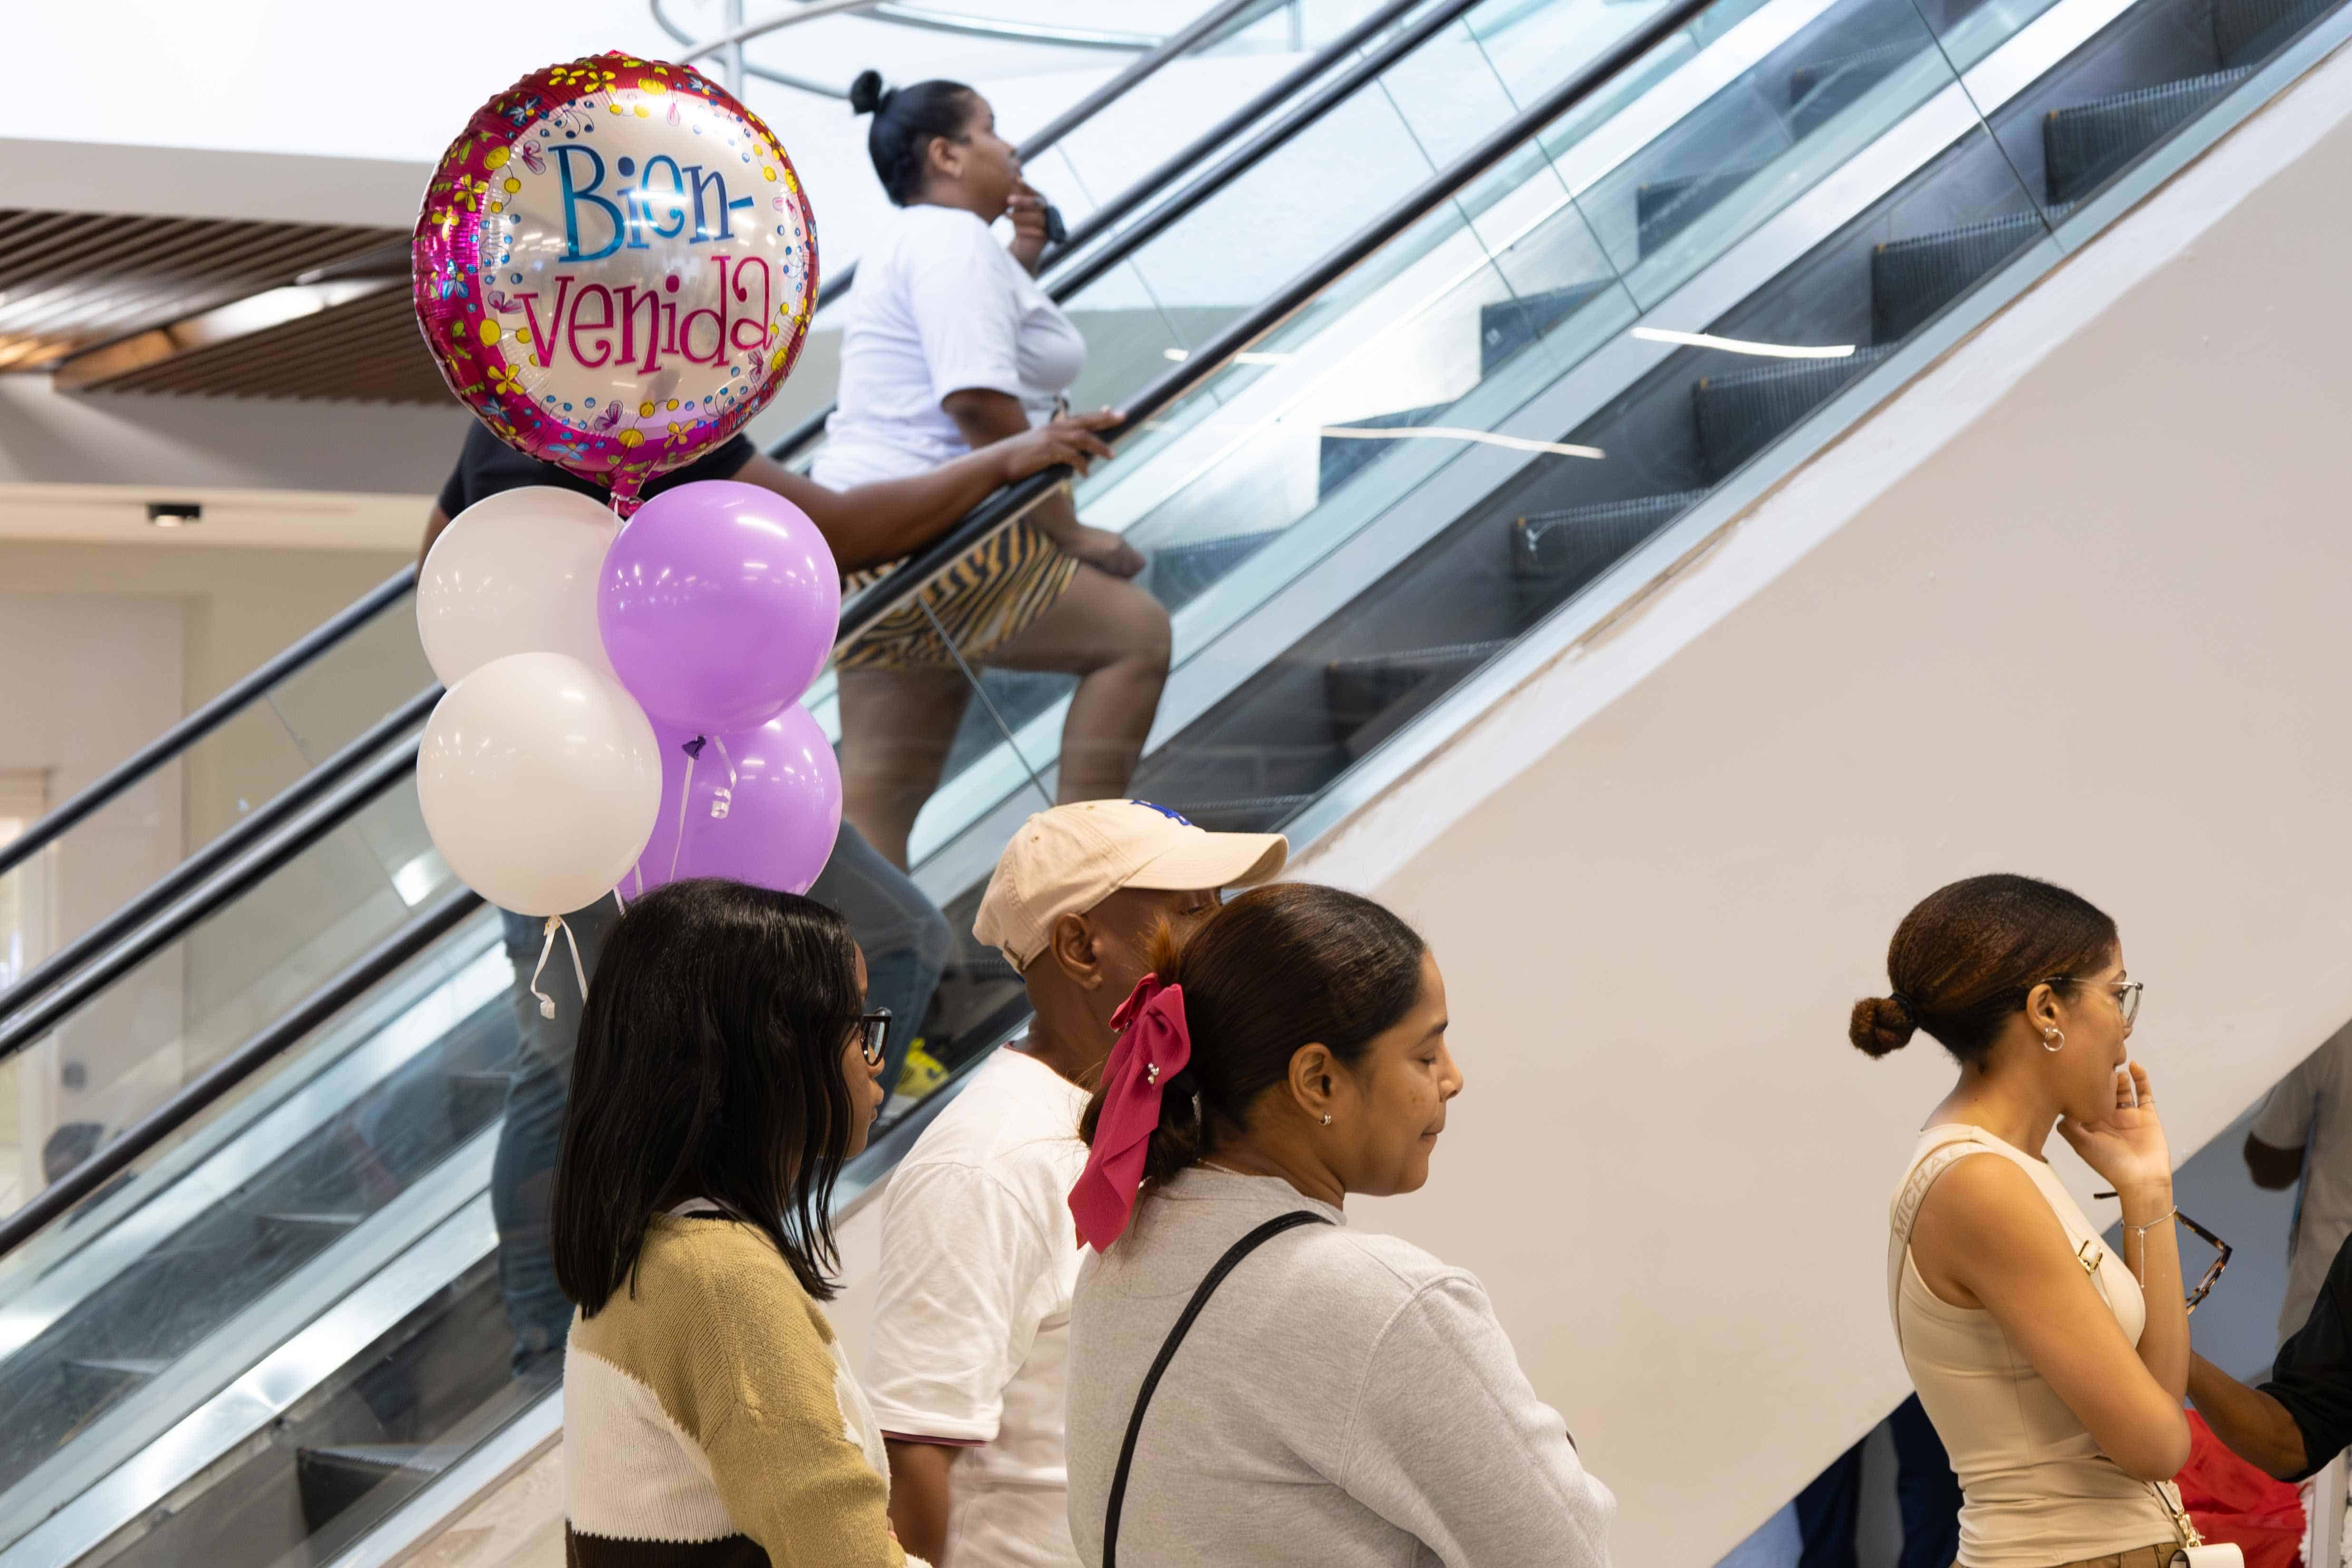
[[615, 266], [760, 806]]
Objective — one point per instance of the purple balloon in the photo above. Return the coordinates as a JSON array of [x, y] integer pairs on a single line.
[[759, 805], [718, 606]]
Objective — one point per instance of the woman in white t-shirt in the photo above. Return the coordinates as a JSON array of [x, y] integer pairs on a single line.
[[951, 345]]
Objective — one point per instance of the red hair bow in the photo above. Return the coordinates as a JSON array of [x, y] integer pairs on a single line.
[[1154, 1044]]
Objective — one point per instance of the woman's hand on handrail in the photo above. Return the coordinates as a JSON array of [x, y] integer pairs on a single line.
[[1070, 438]]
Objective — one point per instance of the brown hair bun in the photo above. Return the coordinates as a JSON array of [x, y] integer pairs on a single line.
[[1879, 1024]]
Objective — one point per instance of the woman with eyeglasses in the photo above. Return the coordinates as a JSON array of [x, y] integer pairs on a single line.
[[2052, 1365], [725, 1071]]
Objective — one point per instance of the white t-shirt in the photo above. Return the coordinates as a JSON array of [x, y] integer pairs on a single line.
[[2311, 1110], [971, 1316], [938, 307]]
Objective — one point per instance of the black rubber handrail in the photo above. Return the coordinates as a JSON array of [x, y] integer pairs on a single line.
[[233, 842], [60, 1196], [21, 1029], [1171, 169], [1002, 508], [204, 719]]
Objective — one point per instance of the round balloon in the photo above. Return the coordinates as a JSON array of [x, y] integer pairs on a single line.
[[760, 806], [720, 604], [615, 266], [540, 783], [517, 571]]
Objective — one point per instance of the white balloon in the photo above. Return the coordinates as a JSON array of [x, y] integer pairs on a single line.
[[517, 571], [540, 779]]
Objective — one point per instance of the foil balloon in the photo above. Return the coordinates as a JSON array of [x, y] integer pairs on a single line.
[[615, 267]]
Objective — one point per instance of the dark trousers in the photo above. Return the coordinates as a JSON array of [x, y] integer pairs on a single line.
[[1926, 1490], [905, 941]]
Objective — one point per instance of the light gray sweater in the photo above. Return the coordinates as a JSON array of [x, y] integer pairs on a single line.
[[1344, 1397]]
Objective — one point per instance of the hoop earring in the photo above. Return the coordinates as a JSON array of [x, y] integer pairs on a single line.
[[2046, 1035], [1327, 1119]]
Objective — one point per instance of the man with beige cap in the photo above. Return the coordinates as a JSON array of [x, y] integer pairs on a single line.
[[979, 1253]]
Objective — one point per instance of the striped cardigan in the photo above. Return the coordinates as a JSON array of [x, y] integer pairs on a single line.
[[710, 1419]]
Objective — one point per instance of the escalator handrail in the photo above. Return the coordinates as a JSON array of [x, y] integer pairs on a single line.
[[164, 748], [232, 842], [1207, 23], [362, 975], [1171, 169], [1010, 502], [330, 813]]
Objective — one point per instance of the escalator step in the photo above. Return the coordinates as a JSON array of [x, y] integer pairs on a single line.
[[2083, 145], [1819, 90], [1507, 326], [1182, 572], [2246, 31], [331, 1479], [1664, 209], [1741, 413], [1340, 457], [308, 1229], [1554, 554], [476, 1098], [1911, 279], [1362, 689]]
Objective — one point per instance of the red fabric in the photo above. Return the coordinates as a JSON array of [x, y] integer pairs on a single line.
[[1154, 1044], [2231, 1501]]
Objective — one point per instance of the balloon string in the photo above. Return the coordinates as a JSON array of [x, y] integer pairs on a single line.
[[685, 794], [621, 903], [732, 782], [579, 971]]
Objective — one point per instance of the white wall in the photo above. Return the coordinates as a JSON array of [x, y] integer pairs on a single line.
[[2073, 605]]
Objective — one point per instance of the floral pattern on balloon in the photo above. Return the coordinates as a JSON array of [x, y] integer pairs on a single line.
[[615, 267]]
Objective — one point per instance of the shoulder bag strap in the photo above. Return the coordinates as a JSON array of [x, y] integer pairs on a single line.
[[1225, 1264]]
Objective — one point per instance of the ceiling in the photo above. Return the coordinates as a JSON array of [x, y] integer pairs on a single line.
[[212, 307]]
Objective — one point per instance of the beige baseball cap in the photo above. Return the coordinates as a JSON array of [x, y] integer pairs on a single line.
[[1066, 860]]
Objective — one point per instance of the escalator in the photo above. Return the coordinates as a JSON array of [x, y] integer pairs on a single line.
[[1646, 259]]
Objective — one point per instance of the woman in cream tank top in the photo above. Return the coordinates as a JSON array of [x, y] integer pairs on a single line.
[[2052, 1365]]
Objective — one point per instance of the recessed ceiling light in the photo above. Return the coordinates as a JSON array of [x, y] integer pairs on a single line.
[[174, 513]]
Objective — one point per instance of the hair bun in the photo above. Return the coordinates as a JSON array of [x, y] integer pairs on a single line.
[[1879, 1024], [866, 94]]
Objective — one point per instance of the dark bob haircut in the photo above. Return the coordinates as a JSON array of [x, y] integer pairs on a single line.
[[708, 1068]]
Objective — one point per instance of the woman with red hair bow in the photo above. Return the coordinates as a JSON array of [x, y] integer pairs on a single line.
[[1340, 1397]]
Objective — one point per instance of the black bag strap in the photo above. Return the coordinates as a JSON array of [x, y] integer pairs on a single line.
[[1225, 1264]]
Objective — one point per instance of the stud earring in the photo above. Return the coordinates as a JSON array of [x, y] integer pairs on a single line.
[[2050, 1035]]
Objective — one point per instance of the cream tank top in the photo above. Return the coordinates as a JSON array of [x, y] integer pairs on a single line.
[[2038, 1492]]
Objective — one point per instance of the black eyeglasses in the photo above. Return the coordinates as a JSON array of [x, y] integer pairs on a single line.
[[2126, 993], [873, 1035], [2204, 1287]]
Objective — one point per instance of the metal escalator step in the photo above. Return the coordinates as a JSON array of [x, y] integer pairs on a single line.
[[1819, 89], [1741, 413], [1362, 689], [1341, 456], [2246, 31], [1507, 326], [1554, 554], [1179, 573], [1664, 209], [1911, 279], [314, 1229], [330, 1478], [477, 1098], [2083, 145]]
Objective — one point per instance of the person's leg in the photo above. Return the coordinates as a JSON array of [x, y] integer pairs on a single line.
[[896, 726], [904, 936], [1828, 1511], [1926, 1489], [1114, 638]]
